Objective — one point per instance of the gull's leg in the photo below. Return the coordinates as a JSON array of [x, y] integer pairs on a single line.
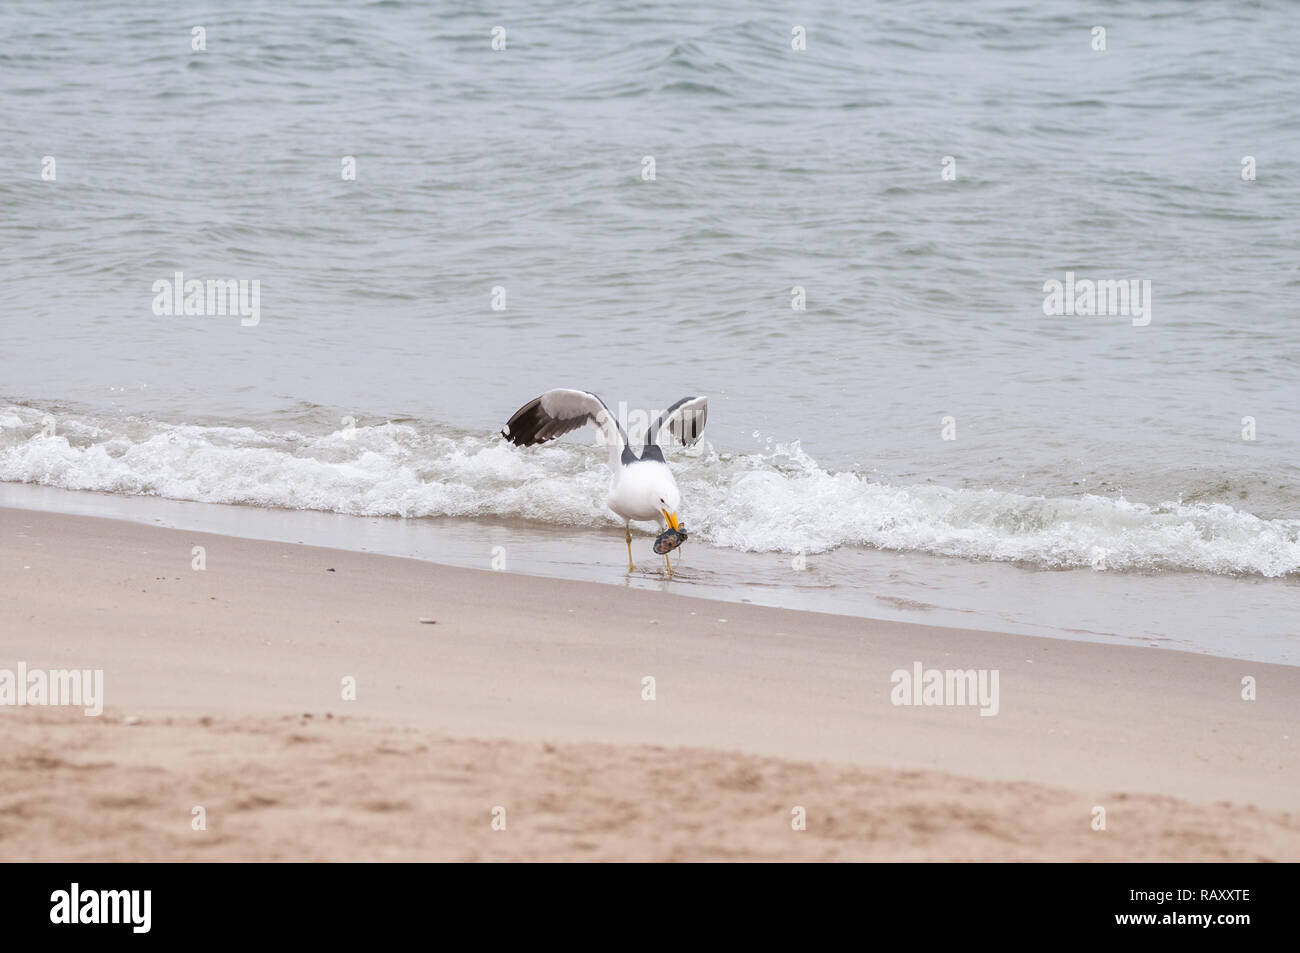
[[627, 530], [668, 563]]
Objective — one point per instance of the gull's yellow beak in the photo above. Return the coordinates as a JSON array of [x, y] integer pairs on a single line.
[[671, 518]]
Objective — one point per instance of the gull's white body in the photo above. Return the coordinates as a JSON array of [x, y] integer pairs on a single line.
[[642, 490]]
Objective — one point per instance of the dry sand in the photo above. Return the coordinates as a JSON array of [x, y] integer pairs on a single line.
[[527, 695]]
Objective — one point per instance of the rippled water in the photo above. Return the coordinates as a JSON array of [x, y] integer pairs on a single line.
[[1080, 441]]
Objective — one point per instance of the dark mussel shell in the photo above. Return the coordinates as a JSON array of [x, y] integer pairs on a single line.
[[669, 540]]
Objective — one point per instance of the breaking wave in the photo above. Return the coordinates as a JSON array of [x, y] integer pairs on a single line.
[[777, 501]]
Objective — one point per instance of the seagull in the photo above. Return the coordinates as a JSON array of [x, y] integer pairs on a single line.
[[643, 487]]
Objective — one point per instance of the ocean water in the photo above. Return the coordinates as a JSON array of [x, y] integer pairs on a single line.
[[378, 372]]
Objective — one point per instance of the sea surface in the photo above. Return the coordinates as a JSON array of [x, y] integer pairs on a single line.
[[915, 175]]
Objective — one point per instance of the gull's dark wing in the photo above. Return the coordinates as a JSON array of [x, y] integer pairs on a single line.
[[684, 420], [559, 411]]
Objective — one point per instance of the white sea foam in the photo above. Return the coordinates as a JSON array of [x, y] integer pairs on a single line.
[[778, 501]]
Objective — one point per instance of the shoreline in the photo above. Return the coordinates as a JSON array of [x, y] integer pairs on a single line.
[[269, 631], [1179, 611]]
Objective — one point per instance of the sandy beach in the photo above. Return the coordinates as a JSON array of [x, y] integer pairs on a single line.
[[525, 701]]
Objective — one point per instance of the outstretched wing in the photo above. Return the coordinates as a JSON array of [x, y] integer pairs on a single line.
[[685, 420], [557, 412]]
